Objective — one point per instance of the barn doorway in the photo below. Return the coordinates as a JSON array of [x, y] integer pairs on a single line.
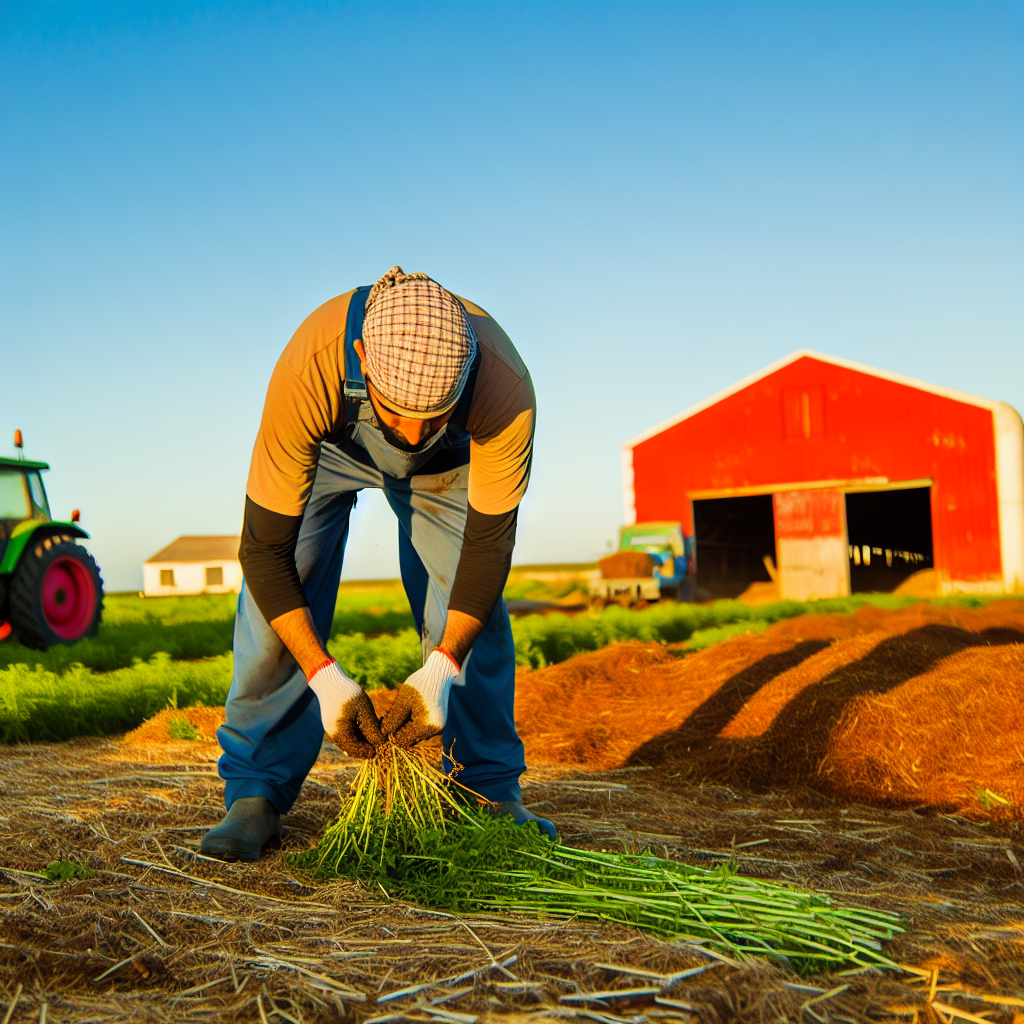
[[890, 535], [733, 537]]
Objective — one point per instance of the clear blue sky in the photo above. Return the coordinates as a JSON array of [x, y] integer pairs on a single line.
[[654, 200]]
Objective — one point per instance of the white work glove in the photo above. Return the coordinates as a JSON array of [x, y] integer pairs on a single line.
[[420, 708], [347, 713]]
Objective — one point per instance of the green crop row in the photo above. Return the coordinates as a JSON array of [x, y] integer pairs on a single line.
[[187, 628], [547, 639], [42, 703], [36, 704]]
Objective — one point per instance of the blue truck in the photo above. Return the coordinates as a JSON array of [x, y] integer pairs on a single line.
[[674, 569]]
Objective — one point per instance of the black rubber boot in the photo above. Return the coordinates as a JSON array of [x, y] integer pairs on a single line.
[[249, 825], [520, 815]]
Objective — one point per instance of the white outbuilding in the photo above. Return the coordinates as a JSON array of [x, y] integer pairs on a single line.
[[194, 565]]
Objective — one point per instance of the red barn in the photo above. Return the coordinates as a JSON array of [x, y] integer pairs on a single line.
[[832, 476]]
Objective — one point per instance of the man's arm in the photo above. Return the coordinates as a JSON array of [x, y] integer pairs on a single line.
[[267, 554], [460, 633], [298, 634], [479, 579]]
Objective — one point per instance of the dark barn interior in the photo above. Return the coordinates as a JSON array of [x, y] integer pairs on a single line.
[[890, 535], [733, 537]]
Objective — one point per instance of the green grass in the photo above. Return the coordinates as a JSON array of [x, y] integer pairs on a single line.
[[152, 652], [378, 661], [701, 638], [36, 704], [186, 628], [66, 871], [182, 729], [547, 639]]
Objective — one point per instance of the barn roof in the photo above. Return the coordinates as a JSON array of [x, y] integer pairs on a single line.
[[806, 353], [198, 549]]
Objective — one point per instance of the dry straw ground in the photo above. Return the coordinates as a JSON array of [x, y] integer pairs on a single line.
[[156, 933], [923, 706]]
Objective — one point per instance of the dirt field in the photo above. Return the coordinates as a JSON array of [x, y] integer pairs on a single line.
[[158, 934]]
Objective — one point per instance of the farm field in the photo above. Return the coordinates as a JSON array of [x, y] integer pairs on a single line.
[[870, 751], [177, 651]]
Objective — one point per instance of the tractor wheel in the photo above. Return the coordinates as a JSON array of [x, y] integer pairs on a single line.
[[56, 594]]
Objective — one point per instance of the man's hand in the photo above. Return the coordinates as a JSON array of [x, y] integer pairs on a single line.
[[347, 713], [420, 708]]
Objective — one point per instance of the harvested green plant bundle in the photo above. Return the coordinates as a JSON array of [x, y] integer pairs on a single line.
[[418, 835], [397, 797]]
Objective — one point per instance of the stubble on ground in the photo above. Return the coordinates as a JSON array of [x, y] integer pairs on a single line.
[[157, 933]]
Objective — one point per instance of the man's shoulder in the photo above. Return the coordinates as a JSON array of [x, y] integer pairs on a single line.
[[497, 351], [472, 308], [318, 335]]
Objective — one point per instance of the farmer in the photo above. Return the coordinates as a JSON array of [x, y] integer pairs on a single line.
[[405, 387]]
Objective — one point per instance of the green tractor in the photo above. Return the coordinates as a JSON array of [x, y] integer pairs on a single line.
[[50, 587]]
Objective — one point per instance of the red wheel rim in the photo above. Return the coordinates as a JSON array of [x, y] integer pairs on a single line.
[[69, 598]]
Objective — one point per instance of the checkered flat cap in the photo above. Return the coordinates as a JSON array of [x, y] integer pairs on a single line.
[[419, 344]]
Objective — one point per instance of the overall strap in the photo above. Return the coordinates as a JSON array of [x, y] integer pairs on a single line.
[[355, 386]]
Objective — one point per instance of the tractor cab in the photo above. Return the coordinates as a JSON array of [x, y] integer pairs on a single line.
[[50, 586], [22, 496]]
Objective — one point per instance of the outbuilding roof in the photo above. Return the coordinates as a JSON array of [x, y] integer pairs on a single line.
[[199, 549]]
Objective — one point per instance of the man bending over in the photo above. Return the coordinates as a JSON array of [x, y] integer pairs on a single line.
[[410, 389]]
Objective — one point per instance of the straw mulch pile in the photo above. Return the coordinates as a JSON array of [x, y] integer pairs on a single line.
[[199, 723], [156, 934], [923, 706]]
